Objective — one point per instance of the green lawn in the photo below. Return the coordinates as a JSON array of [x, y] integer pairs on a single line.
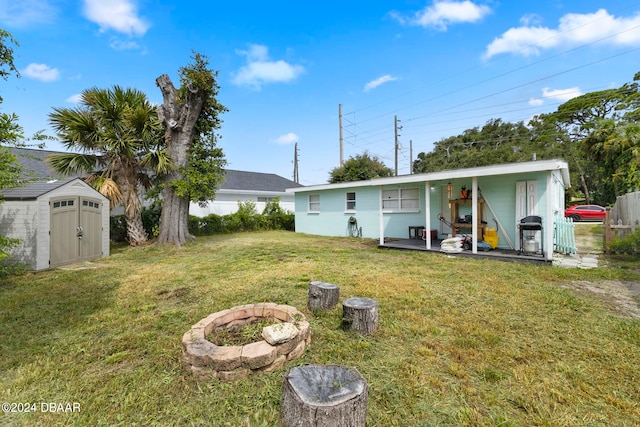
[[460, 341]]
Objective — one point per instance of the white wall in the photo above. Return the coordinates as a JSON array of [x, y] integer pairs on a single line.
[[227, 202], [19, 220]]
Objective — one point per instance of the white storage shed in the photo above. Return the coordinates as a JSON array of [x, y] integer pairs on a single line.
[[58, 222]]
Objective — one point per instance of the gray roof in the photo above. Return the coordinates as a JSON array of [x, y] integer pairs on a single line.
[[256, 181], [33, 190], [34, 165], [33, 162]]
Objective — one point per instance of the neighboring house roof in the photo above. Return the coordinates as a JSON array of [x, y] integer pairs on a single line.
[[35, 166], [35, 189], [256, 181], [491, 170]]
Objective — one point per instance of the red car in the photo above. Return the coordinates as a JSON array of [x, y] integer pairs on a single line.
[[585, 212]]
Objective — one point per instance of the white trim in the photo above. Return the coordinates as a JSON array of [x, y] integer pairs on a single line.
[[492, 170], [474, 215], [309, 210], [380, 216], [427, 211]]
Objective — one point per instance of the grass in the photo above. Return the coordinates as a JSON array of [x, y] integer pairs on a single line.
[[460, 341], [240, 335]]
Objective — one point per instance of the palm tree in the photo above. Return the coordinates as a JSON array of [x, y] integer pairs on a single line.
[[119, 139]]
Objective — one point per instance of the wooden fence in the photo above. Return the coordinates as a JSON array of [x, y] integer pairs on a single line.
[[622, 219]]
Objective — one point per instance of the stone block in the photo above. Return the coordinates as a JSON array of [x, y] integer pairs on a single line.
[[280, 333], [226, 358], [267, 309], [277, 364], [297, 352], [258, 354], [287, 347], [243, 312], [203, 373], [238, 374], [218, 319], [198, 353], [303, 327]]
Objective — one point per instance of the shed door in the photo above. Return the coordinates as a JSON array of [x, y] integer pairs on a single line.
[[76, 230], [91, 223]]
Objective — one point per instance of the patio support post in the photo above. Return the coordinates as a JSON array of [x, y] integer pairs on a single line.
[[547, 228], [474, 214], [381, 216], [427, 212]]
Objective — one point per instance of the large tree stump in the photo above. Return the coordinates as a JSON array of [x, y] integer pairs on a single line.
[[323, 295], [360, 315], [323, 395]]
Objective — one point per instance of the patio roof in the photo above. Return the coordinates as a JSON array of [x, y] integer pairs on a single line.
[[445, 175]]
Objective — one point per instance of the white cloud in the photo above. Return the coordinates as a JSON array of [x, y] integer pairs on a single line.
[[26, 12], [377, 82], [562, 94], [573, 29], [118, 44], [261, 70], [74, 99], [288, 138], [443, 13], [41, 72], [118, 15]]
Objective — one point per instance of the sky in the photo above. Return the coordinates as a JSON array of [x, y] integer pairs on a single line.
[[285, 68]]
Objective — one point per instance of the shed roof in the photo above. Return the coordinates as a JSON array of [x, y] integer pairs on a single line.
[[33, 190]]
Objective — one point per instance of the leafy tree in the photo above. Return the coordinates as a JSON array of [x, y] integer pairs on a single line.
[[496, 142], [120, 141], [604, 125], [191, 116], [358, 168], [10, 133]]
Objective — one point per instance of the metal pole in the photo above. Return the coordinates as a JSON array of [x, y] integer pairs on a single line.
[[340, 123]]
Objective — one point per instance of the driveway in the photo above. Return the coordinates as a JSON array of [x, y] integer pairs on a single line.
[[622, 297]]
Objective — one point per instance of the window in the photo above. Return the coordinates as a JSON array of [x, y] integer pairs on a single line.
[[314, 203], [265, 199], [63, 203], [351, 201], [401, 199]]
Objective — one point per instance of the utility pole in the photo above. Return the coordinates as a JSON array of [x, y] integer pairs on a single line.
[[295, 164], [396, 128], [340, 123], [410, 157]]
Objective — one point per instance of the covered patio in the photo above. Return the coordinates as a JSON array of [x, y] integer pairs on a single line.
[[496, 254]]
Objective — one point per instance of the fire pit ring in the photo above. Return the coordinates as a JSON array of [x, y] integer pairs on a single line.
[[229, 363]]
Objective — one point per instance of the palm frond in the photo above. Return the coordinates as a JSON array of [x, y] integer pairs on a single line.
[[111, 190], [70, 164], [158, 161]]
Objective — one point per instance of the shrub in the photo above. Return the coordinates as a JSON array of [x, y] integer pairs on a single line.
[[7, 267], [278, 218], [118, 228], [627, 245]]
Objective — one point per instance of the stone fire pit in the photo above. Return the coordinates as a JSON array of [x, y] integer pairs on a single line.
[[285, 340]]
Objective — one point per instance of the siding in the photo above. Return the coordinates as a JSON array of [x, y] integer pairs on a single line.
[[19, 220], [499, 191]]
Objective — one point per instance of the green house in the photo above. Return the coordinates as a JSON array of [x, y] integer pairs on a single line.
[[520, 202]]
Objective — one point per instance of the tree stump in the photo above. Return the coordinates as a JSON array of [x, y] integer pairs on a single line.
[[322, 295], [360, 315], [323, 395]]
